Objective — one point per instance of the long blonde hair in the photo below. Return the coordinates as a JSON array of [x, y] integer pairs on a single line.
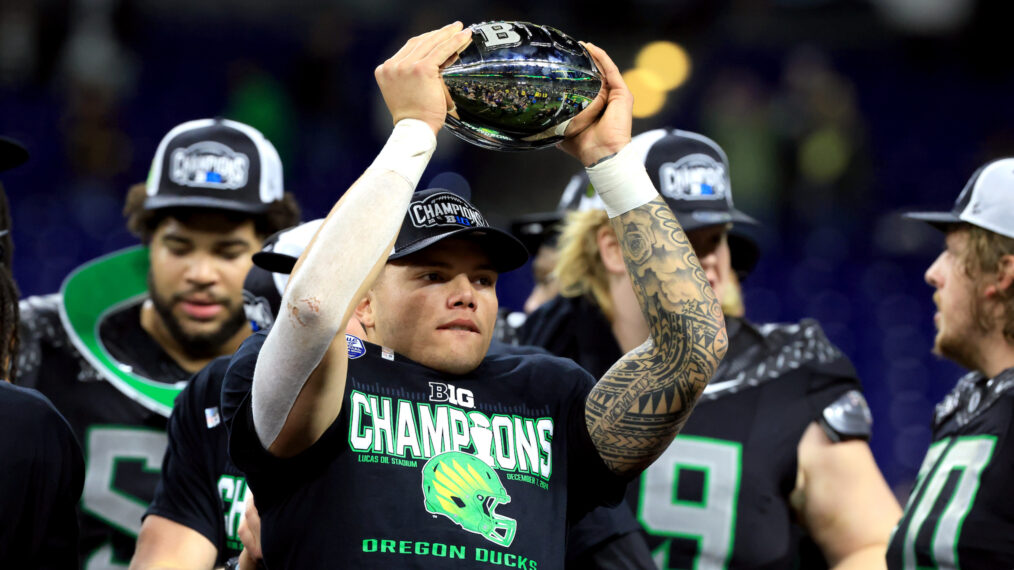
[[580, 270]]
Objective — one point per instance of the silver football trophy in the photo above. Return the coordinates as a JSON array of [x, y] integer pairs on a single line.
[[517, 86]]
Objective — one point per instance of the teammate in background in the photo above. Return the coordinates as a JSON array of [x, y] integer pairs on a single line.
[[607, 537], [416, 448], [194, 519], [780, 433], [960, 513], [43, 470], [126, 331]]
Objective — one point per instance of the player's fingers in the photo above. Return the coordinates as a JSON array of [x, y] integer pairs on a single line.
[[425, 47], [449, 47], [414, 42], [617, 87], [610, 72]]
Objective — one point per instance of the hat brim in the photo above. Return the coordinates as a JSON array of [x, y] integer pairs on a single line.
[[939, 220], [505, 251], [204, 202], [703, 218], [274, 262], [534, 230], [12, 153]]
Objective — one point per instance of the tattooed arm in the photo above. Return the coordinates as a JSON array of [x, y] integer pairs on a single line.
[[640, 404]]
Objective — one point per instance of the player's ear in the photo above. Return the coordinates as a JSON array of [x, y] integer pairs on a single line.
[[609, 250], [364, 311], [1004, 284]]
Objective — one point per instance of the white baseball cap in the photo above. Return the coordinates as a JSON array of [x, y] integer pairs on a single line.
[[986, 201]]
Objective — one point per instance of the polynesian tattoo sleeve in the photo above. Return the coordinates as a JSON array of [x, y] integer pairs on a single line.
[[639, 405]]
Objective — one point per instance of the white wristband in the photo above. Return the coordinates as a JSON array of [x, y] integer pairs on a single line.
[[408, 150], [622, 182]]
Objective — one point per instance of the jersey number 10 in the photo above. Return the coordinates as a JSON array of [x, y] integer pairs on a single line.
[[943, 495]]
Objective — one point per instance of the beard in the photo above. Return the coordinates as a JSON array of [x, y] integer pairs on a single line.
[[197, 345], [961, 345]]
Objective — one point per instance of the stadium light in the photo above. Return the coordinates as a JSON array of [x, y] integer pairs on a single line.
[[667, 60], [649, 96]]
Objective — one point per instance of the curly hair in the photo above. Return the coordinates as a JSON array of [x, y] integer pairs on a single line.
[[280, 215], [981, 262], [9, 295]]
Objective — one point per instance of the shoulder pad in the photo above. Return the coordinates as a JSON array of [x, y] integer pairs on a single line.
[[848, 417], [40, 306]]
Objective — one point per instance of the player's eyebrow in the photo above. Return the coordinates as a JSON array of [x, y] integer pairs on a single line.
[[232, 242], [177, 239]]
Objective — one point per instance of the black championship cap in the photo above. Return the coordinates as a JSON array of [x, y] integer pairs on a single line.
[[433, 215], [691, 172], [987, 201], [437, 214], [12, 154], [215, 163]]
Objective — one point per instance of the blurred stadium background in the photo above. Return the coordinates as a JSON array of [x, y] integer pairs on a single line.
[[836, 114]]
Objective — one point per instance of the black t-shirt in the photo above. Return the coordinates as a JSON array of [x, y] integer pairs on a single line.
[[200, 488], [575, 328], [123, 437], [960, 513], [427, 470], [40, 483], [719, 496]]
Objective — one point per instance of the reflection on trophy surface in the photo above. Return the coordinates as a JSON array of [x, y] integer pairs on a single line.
[[517, 86]]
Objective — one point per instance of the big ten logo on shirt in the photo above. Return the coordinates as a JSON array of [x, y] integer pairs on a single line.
[[440, 392], [402, 432], [233, 491]]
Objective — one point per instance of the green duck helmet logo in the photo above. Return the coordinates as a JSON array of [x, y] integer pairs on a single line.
[[464, 489]]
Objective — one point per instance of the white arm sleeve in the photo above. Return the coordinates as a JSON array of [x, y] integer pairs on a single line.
[[622, 182], [350, 242]]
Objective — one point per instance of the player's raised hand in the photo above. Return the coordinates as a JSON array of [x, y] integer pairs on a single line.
[[602, 134], [410, 80]]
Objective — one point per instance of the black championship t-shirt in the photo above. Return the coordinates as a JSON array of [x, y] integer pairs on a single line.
[[200, 488], [426, 470], [719, 496], [961, 511], [40, 483], [123, 440]]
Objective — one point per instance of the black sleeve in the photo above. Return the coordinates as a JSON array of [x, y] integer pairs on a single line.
[[187, 491], [269, 477], [834, 392], [591, 483], [40, 484]]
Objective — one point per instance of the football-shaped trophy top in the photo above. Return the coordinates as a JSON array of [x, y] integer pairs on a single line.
[[518, 85]]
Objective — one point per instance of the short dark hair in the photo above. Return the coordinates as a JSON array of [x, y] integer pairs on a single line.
[[141, 222]]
